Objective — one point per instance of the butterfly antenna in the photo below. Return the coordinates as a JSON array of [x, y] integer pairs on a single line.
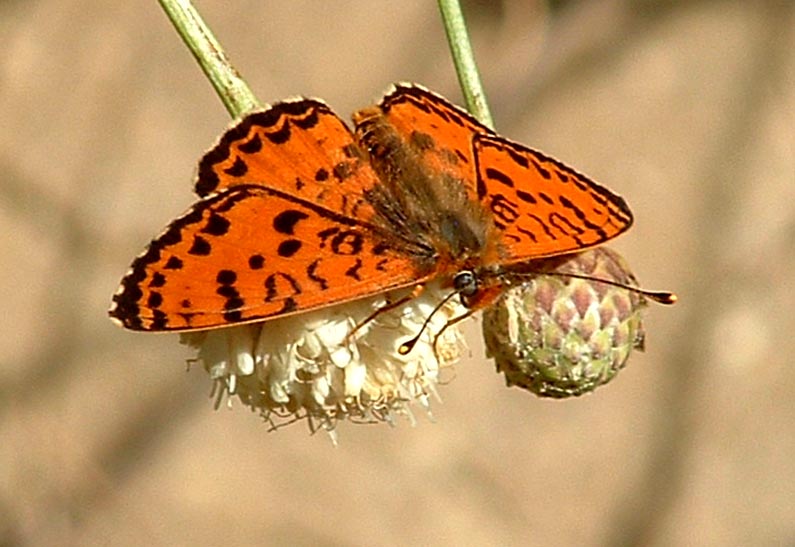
[[406, 347], [661, 297]]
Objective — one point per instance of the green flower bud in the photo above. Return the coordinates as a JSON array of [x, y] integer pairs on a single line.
[[559, 336]]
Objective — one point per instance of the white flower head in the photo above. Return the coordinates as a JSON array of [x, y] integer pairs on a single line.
[[335, 364]]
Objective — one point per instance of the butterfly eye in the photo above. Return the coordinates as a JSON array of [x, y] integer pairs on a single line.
[[465, 283]]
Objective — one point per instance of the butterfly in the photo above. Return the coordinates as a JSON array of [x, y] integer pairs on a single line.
[[297, 212]]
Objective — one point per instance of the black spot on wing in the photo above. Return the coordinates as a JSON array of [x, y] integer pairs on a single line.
[[256, 262], [281, 135], [251, 146], [234, 303], [158, 280], [526, 196], [216, 225], [545, 197], [226, 277], [311, 273], [155, 300], [238, 169], [353, 271], [200, 247], [285, 222], [159, 320], [541, 171], [289, 247], [321, 175], [517, 157], [173, 263], [227, 291], [233, 316], [499, 176], [309, 117]]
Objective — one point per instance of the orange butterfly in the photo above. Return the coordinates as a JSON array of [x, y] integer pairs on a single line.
[[297, 213]]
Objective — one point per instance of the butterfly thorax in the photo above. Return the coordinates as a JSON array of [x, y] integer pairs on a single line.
[[424, 213]]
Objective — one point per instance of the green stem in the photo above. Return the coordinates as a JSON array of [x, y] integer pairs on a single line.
[[230, 87], [464, 60]]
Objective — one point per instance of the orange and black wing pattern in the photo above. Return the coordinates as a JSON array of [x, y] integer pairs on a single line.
[[542, 207], [440, 132], [250, 253], [301, 148]]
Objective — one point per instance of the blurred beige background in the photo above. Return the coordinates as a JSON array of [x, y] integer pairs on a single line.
[[686, 108]]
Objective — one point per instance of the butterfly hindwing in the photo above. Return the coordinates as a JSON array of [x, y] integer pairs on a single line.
[[542, 207], [440, 132], [301, 148], [250, 253]]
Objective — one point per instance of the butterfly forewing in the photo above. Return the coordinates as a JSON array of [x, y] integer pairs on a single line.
[[542, 207], [251, 253], [301, 148]]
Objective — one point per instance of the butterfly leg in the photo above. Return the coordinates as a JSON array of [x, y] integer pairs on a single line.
[[415, 292], [469, 313]]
